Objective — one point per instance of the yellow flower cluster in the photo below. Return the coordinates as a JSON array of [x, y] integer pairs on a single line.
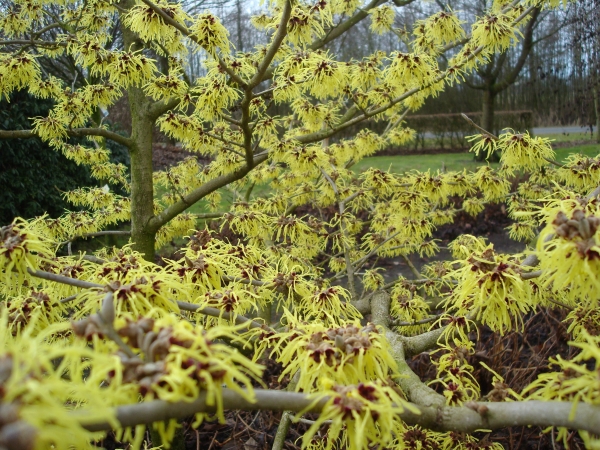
[[347, 355], [491, 289], [369, 411], [21, 250], [571, 260], [575, 380]]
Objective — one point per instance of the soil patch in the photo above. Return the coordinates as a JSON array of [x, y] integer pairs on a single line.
[[165, 155]]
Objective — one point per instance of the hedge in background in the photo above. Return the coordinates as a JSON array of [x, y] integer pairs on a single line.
[[32, 175]]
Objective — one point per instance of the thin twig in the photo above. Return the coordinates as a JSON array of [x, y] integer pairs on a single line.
[[219, 313], [97, 234], [483, 131], [64, 280], [559, 303]]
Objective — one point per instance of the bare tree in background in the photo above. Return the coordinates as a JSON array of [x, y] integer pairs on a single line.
[[500, 73], [585, 37]]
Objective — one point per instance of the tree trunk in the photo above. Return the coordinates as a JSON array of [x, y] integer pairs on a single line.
[[142, 199], [487, 118], [596, 93], [238, 21], [142, 195]]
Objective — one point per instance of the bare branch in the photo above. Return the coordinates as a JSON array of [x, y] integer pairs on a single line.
[[418, 322], [277, 40], [75, 132], [210, 186], [63, 280], [483, 131], [443, 418], [380, 309], [216, 312], [97, 234]]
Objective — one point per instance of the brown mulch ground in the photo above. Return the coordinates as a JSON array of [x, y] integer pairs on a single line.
[[519, 358], [165, 155]]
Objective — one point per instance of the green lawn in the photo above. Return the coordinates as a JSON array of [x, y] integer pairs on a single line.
[[588, 150], [452, 161], [405, 163]]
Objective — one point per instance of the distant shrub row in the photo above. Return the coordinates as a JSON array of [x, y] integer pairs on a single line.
[[32, 175], [449, 130]]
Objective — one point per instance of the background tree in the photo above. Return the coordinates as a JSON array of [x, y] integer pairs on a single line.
[[586, 44], [493, 81], [112, 340]]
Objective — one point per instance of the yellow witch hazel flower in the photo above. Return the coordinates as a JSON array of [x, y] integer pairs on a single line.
[[365, 74], [325, 76], [130, 68], [362, 416], [523, 231], [401, 136], [149, 25], [494, 32], [302, 25], [166, 86], [493, 186], [485, 143], [233, 299], [521, 151], [49, 128], [580, 172], [37, 308], [373, 280], [418, 68], [444, 27], [473, 206], [408, 308], [42, 385], [459, 387], [139, 296], [584, 322], [415, 437], [576, 380], [455, 440], [178, 360], [328, 304], [18, 71], [501, 391], [453, 356], [491, 288], [210, 33], [21, 250], [571, 261], [199, 271], [178, 226], [454, 372], [382, 19], [138, 286], [348, 354], [212, 95]]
